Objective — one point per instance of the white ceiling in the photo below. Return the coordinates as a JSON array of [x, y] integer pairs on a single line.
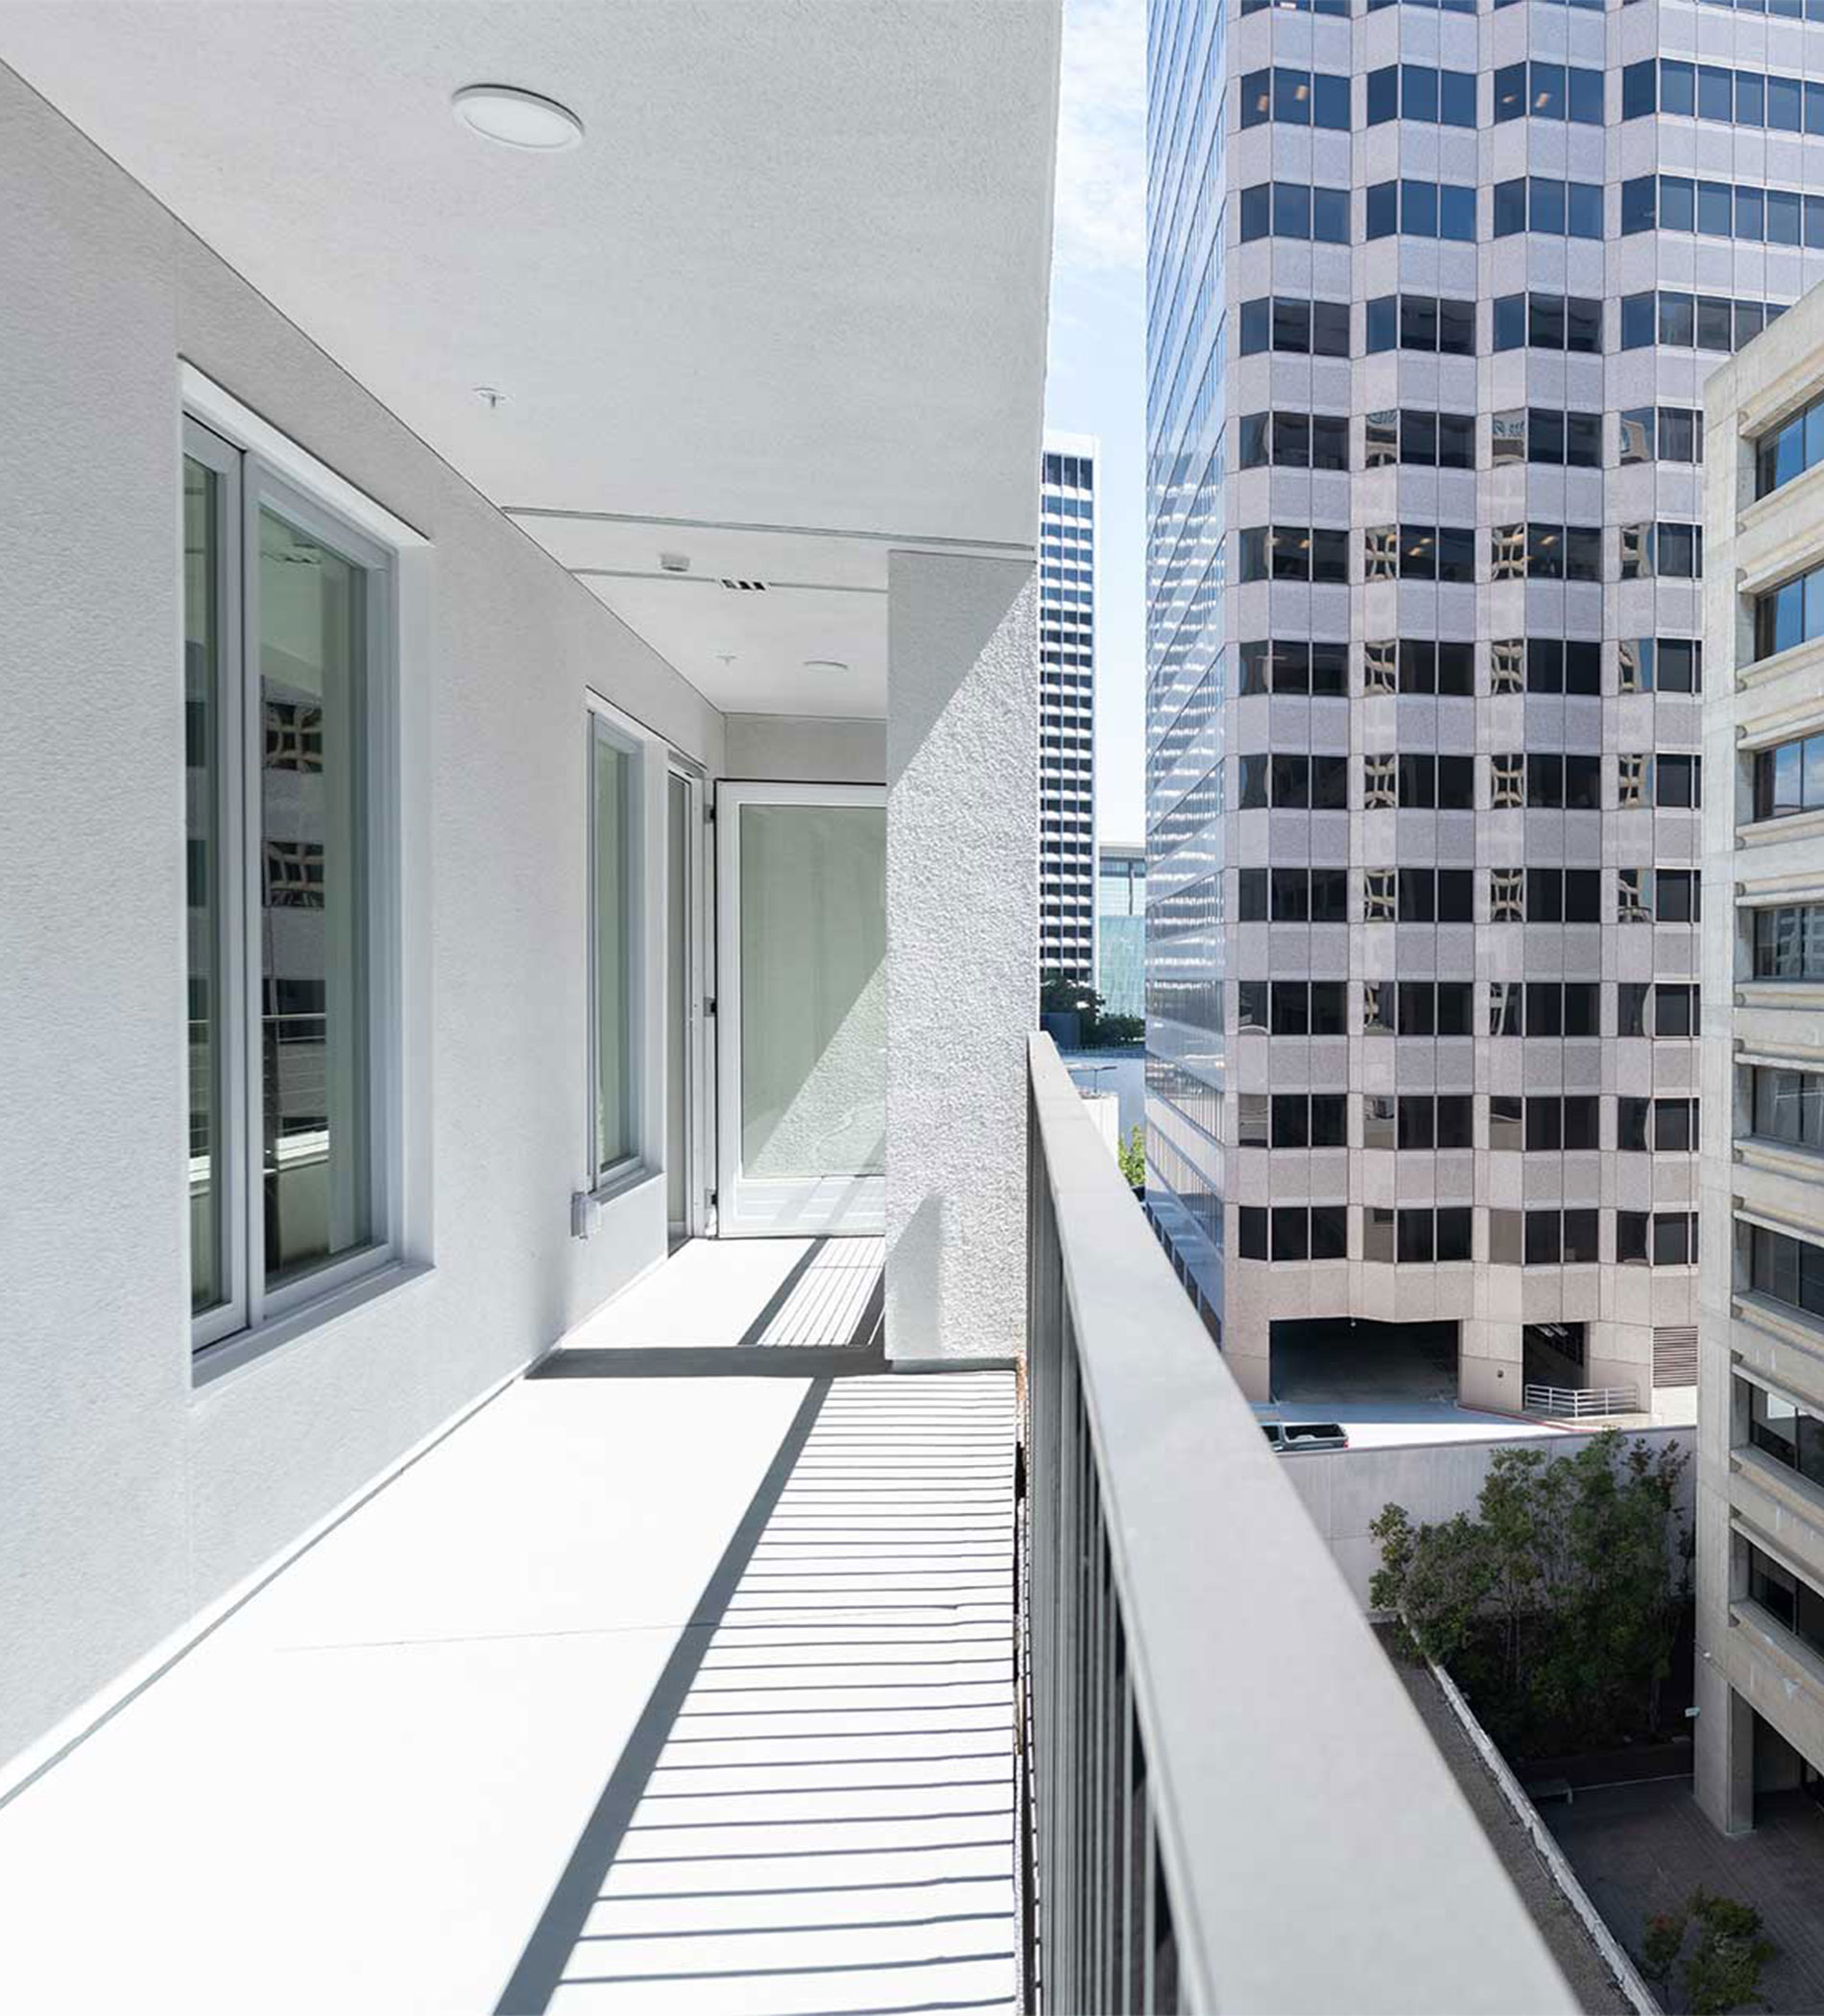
[[795, 277]]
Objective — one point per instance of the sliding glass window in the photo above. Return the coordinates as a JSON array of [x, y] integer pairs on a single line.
[[614, 964], [287, 617]]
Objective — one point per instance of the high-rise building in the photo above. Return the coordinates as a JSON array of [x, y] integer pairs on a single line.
[[1067, 709], [1430, 305], [1120, 927], [1761, 1416]]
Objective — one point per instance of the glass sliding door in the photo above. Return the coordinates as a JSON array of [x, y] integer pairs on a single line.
[[802, 1019]]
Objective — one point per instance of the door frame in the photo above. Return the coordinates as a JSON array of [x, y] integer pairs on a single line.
[[699, 1220], [851, 1203]]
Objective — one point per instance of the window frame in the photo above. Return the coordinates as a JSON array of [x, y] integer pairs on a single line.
[[604, 1180], [300, 495]]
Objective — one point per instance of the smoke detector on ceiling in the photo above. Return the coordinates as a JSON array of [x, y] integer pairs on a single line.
[[675, 562]]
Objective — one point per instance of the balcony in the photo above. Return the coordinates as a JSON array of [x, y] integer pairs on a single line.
[[681, 1676]]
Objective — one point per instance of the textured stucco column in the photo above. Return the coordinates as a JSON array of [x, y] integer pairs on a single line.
[[962, 977]]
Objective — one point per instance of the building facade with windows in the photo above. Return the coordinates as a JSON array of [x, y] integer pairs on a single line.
[[1761, 1415], [1120, 927], [1067, 709], [1432, 293]]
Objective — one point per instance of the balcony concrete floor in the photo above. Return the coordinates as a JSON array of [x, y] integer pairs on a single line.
[[636, 1692]]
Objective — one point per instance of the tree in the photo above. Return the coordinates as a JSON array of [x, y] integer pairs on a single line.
[[1723, 1969], [1059, 995], [1556, 1603], [1132, 1155]]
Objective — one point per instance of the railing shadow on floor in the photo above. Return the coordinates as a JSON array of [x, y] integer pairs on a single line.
[[823, 1770]]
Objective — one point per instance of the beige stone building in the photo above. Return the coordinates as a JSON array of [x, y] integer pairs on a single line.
[[1760, 1487]]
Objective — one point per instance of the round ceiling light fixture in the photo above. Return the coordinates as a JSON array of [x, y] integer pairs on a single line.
[[517, 118]]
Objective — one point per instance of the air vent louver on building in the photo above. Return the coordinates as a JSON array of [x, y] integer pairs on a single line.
[[744, 587], [1676, 1354]]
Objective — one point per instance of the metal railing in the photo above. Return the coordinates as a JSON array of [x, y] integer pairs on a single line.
[[1229, 1802], [1575, 1401]]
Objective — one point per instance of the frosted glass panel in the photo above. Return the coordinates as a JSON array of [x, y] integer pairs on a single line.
[[813, 990]]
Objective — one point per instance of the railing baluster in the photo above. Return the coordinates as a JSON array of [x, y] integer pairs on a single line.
[[1215, 1744]]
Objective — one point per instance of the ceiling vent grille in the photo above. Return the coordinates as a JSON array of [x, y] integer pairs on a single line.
[[744, 587]]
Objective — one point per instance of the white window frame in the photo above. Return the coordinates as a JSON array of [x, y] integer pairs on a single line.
[[638, 1165], [252, 482]]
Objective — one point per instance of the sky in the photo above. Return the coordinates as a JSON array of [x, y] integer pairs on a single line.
[[1097, 383]]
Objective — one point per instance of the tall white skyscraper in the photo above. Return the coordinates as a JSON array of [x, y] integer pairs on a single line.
[[1067, 709], [1433, 294]]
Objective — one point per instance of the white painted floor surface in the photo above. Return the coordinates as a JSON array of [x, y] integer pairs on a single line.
[[644, 1694]]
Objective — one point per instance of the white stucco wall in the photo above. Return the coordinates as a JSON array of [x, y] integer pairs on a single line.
[[134, 1497], [804, 749], [962, 990]]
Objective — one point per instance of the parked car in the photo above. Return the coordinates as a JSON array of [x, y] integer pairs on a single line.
[[1290, 1438]]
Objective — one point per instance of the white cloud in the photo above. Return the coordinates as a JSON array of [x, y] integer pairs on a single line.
[[1101, 205]]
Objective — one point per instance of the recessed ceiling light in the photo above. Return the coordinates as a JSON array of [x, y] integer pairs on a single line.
[[517, 118], [824, 664]]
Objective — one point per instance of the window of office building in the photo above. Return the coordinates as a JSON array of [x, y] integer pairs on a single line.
[[1294, 326], [1545, 552], [1418, 1121], [1419, 553], [1295, 441], [1314, 552], [1661, 434], [1418, 666], [1743, 210], [1538, 202], [1787, 1105], [1443, 441], [1656, 1009], [1418, 783], [287, 627], [1295, 98], [1789, 614], [1417, 895], [1702, 322], [1416, 1007], [1656, 1126], [1788, 943], [1536, 90], [1421, 1234], [1548, 322], [1657, 1239], [1293, 781], [1421, 92], [1274, 665], [1670, 781], [1292, 1007], [1544, 665], [1689, 90], [1295, 210], [1556, 1008], [1788, 1433], [1795, 445], [1659, 664], [1420, 322], [1411, 208], [1657, 895], [1293, 1232]]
